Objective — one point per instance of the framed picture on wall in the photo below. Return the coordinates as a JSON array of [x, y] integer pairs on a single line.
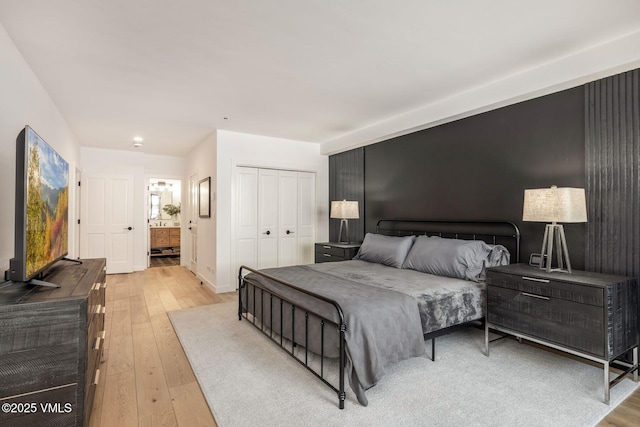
[[204, 198]]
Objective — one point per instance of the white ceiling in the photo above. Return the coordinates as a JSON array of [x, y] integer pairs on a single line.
[[173, 71]]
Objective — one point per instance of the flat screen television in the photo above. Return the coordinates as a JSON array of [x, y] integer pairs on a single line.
[[42, 209]]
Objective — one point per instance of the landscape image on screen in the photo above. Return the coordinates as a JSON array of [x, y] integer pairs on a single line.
[[47, 196]]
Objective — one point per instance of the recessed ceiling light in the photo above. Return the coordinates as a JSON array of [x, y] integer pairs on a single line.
[[137, 141]]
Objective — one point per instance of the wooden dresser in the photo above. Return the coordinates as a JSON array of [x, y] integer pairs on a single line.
[[590, 315], [51, 343]]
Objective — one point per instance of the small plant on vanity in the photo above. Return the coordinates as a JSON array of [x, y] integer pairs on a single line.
[[173, 211]]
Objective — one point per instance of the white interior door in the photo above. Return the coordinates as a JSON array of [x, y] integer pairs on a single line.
[[267, 218], [306, 217], [107, 220], [193, 224], [287, 218], [247, 217]]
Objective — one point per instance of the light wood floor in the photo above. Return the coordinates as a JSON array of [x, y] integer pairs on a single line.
[[145, 378]]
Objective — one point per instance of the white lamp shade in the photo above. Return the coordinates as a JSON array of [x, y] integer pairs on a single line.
[[344, 209], [554, 204]]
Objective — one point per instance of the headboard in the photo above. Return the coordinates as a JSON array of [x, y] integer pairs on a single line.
[[503, 233]]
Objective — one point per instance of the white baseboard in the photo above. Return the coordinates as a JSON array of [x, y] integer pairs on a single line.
[[214, 288], [225, 289], [206, 283]]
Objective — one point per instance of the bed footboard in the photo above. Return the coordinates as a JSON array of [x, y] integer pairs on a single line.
[[255, 302]]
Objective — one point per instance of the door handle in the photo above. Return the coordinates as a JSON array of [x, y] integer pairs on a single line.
[[128, 228], [267, 232], [290, 232]]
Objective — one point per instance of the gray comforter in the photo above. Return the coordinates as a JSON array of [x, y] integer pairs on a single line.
[[442, 301], [383, 325]]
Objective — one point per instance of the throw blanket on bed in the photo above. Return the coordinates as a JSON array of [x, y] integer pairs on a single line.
[[383, 326]]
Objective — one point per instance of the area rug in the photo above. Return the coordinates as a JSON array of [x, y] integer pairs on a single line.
[[248, 381]]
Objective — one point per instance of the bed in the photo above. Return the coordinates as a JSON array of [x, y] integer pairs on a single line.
[[411, 281]]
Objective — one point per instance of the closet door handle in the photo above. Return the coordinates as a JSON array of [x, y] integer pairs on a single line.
[[267, 232], [290, 232]]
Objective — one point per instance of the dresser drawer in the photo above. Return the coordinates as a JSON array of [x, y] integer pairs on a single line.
[[61, 403], [560, 321], [548, 288]]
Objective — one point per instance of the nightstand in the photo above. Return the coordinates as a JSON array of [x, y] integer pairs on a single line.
[[591, 315], [331, 251]]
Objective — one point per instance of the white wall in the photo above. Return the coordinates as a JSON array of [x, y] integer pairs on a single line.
[[140, 165], [201, 161], [23, 101], [238, 149]]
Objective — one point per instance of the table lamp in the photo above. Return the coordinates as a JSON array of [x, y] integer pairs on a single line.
[[555, 205], [344, 210]]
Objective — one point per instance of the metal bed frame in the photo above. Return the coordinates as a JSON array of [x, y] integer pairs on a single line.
[[494, 232]]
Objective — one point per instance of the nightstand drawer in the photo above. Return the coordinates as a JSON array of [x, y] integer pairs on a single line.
[[324, 257], [549, 288], [560, 321], [329, 250]]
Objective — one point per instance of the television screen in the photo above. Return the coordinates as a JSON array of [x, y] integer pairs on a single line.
[[42, 207]]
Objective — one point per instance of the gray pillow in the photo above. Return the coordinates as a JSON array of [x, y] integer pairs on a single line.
[[387, 250], [462, 259]]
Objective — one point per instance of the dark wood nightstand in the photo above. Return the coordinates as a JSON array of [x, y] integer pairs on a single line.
[[331, 251], [591, 315]]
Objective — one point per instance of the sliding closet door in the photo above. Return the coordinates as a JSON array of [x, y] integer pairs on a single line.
[[276, 217], [306, 217], [247, 222], [267, 218], [288, 218]]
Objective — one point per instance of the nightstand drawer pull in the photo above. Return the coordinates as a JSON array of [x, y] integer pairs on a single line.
[[327, 255], [326, 247], [526, 294], [535, 279]]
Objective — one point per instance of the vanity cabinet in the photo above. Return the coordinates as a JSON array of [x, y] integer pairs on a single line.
[[164, 240]]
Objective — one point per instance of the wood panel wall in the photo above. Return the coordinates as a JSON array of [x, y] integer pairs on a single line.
[[612, 111]]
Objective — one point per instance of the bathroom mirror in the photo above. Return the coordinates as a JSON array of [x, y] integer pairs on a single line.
[[163, 192]]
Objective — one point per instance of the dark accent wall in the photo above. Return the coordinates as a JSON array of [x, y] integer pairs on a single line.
[[612, 110], [346, 182], [477, 168]]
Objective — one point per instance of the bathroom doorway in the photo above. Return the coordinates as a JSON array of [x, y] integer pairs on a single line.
[[165, 209]]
